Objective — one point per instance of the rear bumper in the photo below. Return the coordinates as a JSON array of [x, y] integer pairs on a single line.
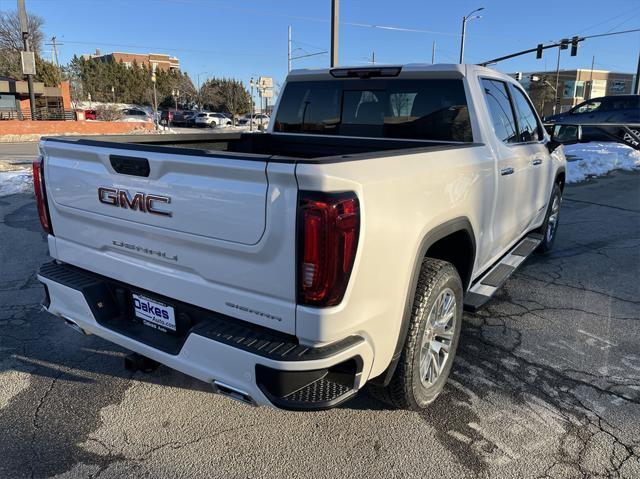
[[261, 366]]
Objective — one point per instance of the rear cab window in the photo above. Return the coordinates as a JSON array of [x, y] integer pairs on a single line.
[[423, 109]]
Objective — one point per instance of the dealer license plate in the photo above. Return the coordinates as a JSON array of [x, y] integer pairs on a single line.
[[153, 313]]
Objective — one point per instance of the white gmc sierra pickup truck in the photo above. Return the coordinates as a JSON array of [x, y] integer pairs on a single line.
[[291, 267]]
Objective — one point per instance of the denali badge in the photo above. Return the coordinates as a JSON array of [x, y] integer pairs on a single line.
[[142, 249], [140, 201]]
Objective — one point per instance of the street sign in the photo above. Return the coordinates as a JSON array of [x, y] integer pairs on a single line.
[[28, 63], [265, 82], [266, 93]]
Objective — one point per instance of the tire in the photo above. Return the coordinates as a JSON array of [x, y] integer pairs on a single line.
[[549, 228], [411, 386]]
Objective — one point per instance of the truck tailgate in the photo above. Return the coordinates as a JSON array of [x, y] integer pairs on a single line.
[[210, 230]]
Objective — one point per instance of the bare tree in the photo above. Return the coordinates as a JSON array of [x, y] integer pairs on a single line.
[[11, 35]]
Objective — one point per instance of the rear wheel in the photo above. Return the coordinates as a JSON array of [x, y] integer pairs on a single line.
[[432, 339], [549, 228]]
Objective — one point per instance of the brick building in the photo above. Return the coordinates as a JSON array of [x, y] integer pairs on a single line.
[[574, 87], [162, 61], [51, 102]]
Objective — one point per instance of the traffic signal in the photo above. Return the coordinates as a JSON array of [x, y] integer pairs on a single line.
[[539, 51], [564, 44], [574, 46]]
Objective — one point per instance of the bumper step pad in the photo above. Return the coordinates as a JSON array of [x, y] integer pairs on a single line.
[[322, 390], [268, 343]]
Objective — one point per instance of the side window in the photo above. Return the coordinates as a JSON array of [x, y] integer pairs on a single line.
[[502, 117], [528, 125], [588, 107]]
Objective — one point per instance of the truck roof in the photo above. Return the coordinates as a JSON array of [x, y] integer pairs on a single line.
[[408, 70]]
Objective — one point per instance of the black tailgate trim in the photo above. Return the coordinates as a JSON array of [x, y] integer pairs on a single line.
[[234, 332]]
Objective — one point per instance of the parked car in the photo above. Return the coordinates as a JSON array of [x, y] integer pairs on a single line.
[[90, 115], [212, 119], [181, 118], [259, 119], [617, 109], [292, 267], [135, 114]]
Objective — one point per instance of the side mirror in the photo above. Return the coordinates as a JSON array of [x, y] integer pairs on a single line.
[[564, 135]]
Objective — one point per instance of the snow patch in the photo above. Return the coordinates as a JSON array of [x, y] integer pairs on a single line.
[[596, 159], [15, 182]]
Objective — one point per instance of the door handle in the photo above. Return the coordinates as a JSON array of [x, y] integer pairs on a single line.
[[536, 162], [506, 171]]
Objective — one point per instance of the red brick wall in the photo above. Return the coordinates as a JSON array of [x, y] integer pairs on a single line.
[[66, 96], [15, 127]]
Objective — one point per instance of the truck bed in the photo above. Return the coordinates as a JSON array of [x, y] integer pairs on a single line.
[[276, 147]]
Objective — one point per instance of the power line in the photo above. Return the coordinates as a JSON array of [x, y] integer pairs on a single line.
[[55, 46], [343, 23], [609, 20]]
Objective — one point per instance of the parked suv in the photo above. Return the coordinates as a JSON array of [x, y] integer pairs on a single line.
[[606, 109], [212, 119], [617, 109], [135, 114]]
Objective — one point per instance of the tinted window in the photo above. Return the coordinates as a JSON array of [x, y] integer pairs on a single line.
[[588, 107], [528, 126], [627, 103], [500, 109], [416, 109]]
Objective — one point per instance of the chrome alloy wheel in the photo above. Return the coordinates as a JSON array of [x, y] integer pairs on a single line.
[[552, 224], [437, 337]]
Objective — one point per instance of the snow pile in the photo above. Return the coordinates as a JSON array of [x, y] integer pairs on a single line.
[[596, 159], [14, 182]]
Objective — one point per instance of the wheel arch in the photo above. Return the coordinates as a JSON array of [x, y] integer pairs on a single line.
[[560, 178], [445, 242]]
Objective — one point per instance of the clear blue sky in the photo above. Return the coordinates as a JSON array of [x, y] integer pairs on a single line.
[[241, 39]]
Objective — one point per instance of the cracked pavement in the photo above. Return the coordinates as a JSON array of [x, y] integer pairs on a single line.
[[546, 382]]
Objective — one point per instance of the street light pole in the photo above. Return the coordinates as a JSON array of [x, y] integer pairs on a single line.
[[465, 19], [251, 83]]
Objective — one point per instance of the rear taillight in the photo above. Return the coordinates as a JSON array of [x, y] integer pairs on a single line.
[[329, 225], [41, 195]]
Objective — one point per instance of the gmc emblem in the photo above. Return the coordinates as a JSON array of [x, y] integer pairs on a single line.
[[140, 201]]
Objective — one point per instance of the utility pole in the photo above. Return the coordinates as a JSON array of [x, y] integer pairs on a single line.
[[373, 58], [55, 46], [155, 94], [555, 96], [465, 19], [593, 61], [636, 87], [24, 25], [335, 14], [289, 50], [433, 52]]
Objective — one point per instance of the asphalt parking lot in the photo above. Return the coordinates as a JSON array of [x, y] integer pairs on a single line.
[[546, 382]]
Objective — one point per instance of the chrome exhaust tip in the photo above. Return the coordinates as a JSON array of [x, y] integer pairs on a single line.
[[232, 393], [73, 325]]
